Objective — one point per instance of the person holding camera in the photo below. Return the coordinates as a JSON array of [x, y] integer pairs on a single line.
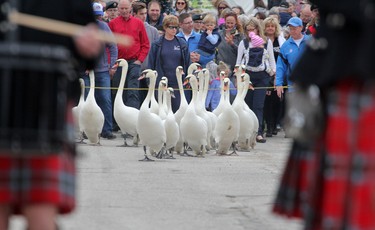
[[231, 35]]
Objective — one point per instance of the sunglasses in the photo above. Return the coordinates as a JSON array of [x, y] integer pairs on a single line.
[[173, 27], [222, 7], [180, 3]]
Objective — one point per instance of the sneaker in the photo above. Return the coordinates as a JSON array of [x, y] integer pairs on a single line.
[[109, 136]]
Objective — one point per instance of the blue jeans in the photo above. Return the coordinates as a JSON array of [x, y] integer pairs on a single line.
[[255, 98], [130, 97], [102, 97]]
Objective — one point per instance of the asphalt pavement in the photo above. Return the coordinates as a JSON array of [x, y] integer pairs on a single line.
[[118, 192]]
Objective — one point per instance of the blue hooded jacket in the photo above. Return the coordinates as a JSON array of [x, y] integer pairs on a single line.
[[291, 52]]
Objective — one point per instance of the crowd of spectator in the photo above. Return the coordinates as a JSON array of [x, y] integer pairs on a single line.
[[168, 34]]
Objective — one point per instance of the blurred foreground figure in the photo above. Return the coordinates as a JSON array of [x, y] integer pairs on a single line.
[[329, 179], [38, 86]]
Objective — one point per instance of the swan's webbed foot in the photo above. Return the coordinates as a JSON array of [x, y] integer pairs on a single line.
[[146, 157], [234, 153], [170, 155]]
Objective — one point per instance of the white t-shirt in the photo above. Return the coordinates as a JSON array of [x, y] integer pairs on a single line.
[[298, 41]]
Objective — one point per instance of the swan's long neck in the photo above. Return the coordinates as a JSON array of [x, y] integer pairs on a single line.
[[245, 88], [181, 89], [92, 84], [194, 88], [150, 92], [82, 97], [226, 97], [169, 102], [122, 81], [201, 86], [160, 95]]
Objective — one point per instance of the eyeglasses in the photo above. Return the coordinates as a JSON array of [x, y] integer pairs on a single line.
[[180, 3], [172, 27]]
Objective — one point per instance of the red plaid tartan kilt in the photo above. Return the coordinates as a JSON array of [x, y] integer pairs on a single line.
[[39, 179], [332, 184]]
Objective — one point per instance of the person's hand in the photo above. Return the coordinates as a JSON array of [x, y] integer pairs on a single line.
[[194, 57], [209, 32], [112, 72], [280, 90], [86, 43], [137, 62], [229, 39]]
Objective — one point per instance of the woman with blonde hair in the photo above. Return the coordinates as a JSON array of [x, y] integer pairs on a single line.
[[272, 104], [255, 98]]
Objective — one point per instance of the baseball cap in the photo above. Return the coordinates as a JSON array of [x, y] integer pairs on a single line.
[[295, 21], [98, 8]]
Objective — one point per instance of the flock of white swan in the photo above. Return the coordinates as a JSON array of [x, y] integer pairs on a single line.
[[155, 126]]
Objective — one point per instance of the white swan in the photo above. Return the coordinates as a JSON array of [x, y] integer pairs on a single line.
[[125, 116], [91, 117], [193, 127], [76, 110], [200, 107], [246, 81], [179, 148], [228, 124], [172, 129], [150, 126], [245, 116]]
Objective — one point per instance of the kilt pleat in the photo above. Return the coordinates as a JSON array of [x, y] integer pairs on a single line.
[[34, 179], [335, 187]]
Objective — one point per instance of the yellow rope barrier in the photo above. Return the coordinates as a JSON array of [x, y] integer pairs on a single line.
[[116, 88]]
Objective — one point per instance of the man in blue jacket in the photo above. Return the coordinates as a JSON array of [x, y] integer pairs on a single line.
[[290, 52], [192, 38]]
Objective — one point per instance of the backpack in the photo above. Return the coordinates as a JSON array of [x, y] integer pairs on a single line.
[[246, 44]]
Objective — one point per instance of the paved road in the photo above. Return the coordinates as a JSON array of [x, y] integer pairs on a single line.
[[117, 192]]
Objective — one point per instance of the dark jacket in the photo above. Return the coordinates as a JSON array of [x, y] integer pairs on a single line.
[[342, 48], [205, 45], [39, 94], [154, 61]]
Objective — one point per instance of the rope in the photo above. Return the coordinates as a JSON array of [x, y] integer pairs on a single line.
[[116, 88]]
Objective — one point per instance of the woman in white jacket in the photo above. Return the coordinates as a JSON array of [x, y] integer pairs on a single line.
[[252, 98], [273, 105]]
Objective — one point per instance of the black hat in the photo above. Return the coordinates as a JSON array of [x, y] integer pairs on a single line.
[[197, 17], [284, 4], [111, 4]]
